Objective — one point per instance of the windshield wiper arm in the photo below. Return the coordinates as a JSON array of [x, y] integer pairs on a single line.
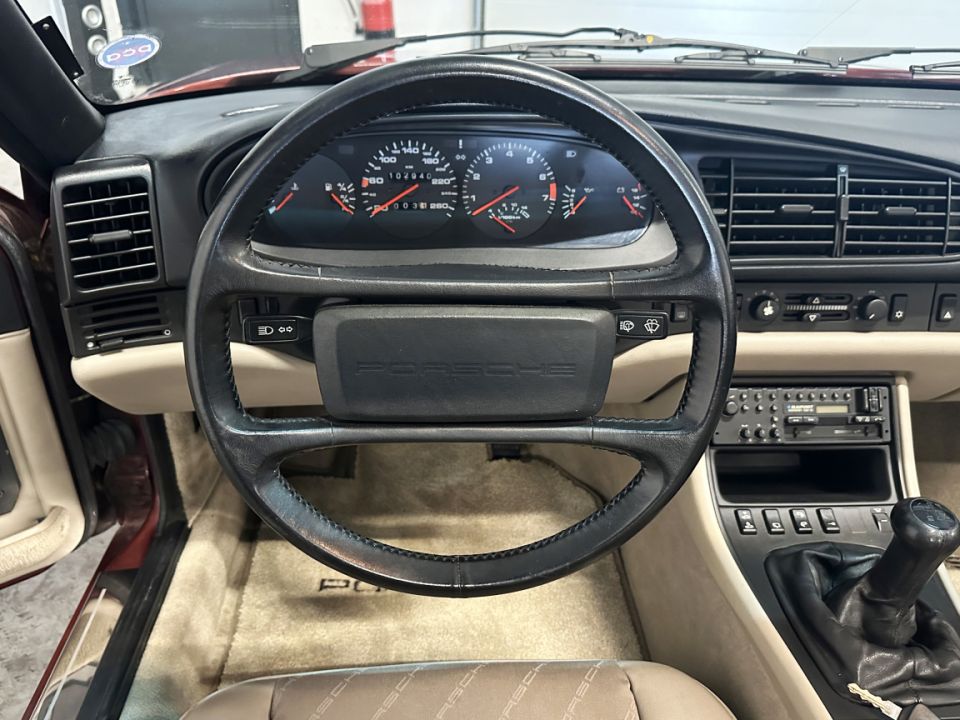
[[318, 59], [639, 42], [852, 55]]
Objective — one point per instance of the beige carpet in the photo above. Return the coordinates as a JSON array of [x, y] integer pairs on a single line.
[[297, 614]]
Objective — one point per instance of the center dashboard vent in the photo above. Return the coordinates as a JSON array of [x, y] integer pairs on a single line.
[[782, 208], [108, 229]]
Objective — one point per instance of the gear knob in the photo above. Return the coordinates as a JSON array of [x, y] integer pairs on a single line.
[[925, 534]]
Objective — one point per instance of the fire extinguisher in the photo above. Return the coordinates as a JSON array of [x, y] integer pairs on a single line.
[[377, 17]]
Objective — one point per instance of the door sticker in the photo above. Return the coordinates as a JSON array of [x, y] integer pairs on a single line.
[[128, 51]]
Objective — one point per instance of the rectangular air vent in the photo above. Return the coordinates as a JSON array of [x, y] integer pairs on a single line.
[[774, 208], [107, 224], [141, 319], [897, 214], [781, 208]]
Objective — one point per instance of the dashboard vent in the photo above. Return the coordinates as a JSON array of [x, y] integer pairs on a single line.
[[776, 208], [141, 319], [781, 208], [108, 231], [898, 215]]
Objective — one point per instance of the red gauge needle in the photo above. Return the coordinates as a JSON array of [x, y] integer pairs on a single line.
[[391, 201], [341, 203], [505, 226], [279, 205], [507, 193], [573, 210], [630, 206]]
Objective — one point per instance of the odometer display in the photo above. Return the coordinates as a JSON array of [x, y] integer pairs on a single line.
[[409, 189], [509, 190]]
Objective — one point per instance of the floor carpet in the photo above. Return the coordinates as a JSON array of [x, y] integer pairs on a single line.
[[296, 614]]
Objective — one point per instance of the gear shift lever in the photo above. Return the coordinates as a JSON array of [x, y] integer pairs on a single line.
[[925, 534]]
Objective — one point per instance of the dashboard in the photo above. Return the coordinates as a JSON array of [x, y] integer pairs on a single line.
[[841, 215], [458, 189]]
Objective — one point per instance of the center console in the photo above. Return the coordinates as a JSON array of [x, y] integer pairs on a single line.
[[801, 463]]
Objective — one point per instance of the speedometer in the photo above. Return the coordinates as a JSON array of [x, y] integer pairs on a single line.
[[409, 189], [509, 190]]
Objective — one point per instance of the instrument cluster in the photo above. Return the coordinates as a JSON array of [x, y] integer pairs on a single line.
[[450, 190]]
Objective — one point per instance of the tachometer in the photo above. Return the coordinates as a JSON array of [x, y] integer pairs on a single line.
[[409, 189], [509, 190]]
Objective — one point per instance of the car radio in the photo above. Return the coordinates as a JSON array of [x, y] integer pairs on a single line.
[[787, 415]]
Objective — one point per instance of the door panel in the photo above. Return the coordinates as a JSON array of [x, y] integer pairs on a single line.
[[43, 516], [46, 521]]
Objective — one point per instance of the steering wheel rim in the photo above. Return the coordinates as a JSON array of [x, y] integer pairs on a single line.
[[251, 449]]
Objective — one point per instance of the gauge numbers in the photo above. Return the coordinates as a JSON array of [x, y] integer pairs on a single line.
[[509, 190], [409, 189]]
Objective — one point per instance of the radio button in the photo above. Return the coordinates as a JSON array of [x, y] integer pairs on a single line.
[[760, 433], [730, 408]]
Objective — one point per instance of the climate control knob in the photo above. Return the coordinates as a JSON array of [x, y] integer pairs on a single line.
[[873, 308], [765, 308]]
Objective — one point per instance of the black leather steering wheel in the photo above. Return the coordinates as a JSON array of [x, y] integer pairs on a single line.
[[250, 449]]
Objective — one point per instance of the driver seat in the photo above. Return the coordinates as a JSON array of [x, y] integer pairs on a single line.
[[581, 690]]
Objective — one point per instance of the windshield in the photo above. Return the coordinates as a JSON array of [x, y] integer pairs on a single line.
[[131, 50]]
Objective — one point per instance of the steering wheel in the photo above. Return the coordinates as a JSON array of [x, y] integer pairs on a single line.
[[228, 266]]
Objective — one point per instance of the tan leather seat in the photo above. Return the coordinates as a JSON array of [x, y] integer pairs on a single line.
[[471, 691]]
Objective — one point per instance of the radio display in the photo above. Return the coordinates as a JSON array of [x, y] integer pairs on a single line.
[[832, 409], [808, 408]]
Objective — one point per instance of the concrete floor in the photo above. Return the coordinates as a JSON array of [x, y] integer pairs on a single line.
[[33, 616]]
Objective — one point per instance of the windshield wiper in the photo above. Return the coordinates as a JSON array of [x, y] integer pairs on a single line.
[[319, 59], [845, 56], [639, 42]]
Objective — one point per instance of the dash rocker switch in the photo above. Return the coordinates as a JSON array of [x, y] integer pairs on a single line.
[[265, 329], [801, 522], [745, 521], [771, 518], [642, 325], [828, 520]]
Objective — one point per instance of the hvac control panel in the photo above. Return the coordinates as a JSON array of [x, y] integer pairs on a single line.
[[848, 306], [790, 415]]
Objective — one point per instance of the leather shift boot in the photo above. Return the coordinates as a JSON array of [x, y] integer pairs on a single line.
[[819, 587]]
